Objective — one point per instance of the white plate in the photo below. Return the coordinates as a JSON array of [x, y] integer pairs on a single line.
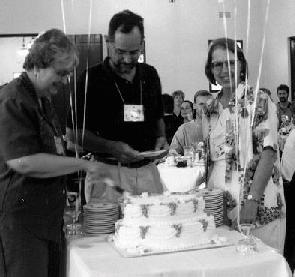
[[153, 154]]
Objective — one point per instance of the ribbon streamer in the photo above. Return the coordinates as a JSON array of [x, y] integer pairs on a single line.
[[86, 74], [261, 58], [63, 15]]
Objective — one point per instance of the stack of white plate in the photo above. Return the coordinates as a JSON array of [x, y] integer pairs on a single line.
[[214, 204], [100, 218]]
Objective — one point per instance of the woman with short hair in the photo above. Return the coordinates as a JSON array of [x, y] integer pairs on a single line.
[[33, 162]]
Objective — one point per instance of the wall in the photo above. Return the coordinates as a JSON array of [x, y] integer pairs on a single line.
[[176, 33], [11, 58], [281, 25]]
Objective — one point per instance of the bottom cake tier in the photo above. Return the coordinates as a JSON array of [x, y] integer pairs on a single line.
[[159, 236]]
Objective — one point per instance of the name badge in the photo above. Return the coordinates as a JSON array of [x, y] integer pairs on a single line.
[[219, 150], [59, 145], [133, 113]]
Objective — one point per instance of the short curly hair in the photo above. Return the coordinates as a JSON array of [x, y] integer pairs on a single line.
[[190, 103], [125, 20], [50, 48], [230, 44], [202, 92], [283, 87], [178, 93]]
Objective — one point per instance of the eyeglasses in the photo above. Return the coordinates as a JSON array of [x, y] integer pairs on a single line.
[[186, 109], [63, 73], [218, 65], [121, 53]]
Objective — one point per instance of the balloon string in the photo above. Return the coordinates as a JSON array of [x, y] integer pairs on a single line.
[[236, 126], [261, 59], [224, 21], [86, 85], [235, 37], [247, 158], [76, 117], [85, 104], [228, 64], [247, 47], [246, 77], [76, 143], [236, 80], [63, 15], [248, 26], [86, 75]]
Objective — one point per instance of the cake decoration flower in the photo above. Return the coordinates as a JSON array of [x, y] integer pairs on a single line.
[[178, 228], [195, 203], [172, 207], [145, 209], [143, 231], [204, 224]]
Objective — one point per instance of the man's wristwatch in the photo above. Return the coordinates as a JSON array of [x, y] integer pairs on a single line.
[[251, 197]]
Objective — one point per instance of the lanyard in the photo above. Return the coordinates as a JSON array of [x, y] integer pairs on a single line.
[[121, 96], [45, 108]]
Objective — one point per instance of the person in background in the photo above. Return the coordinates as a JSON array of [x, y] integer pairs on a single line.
[[266, 90], [285, 109], [288, 169], [32, 161], [201, 98], [186, 110], [250, 163], [190, 133], [168, 116], [135, 122], [178, 98]]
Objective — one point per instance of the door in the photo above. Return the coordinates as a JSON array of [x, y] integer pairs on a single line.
[[88, 51], [292, 64]]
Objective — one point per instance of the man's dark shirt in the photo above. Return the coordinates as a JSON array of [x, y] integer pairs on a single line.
[[176, 121], [288, 111], [170, 127], [104, 109]]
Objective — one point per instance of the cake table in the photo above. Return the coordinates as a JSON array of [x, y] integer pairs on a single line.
[[96, 257]]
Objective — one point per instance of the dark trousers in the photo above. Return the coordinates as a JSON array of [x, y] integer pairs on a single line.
[[289, 249], [22, 254]]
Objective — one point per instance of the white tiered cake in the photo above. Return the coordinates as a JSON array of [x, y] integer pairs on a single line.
[[165, 222]]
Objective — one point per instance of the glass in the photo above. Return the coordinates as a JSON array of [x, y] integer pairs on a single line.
[[188, 153], [74, 231], [170, 160], [247, 245], [72, 212], [218, 65], [200, 150]]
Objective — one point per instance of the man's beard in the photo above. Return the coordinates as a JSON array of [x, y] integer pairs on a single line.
[[124, 68], [283, 99]]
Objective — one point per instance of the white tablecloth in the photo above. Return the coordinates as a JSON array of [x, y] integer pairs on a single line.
[[95, 257]]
